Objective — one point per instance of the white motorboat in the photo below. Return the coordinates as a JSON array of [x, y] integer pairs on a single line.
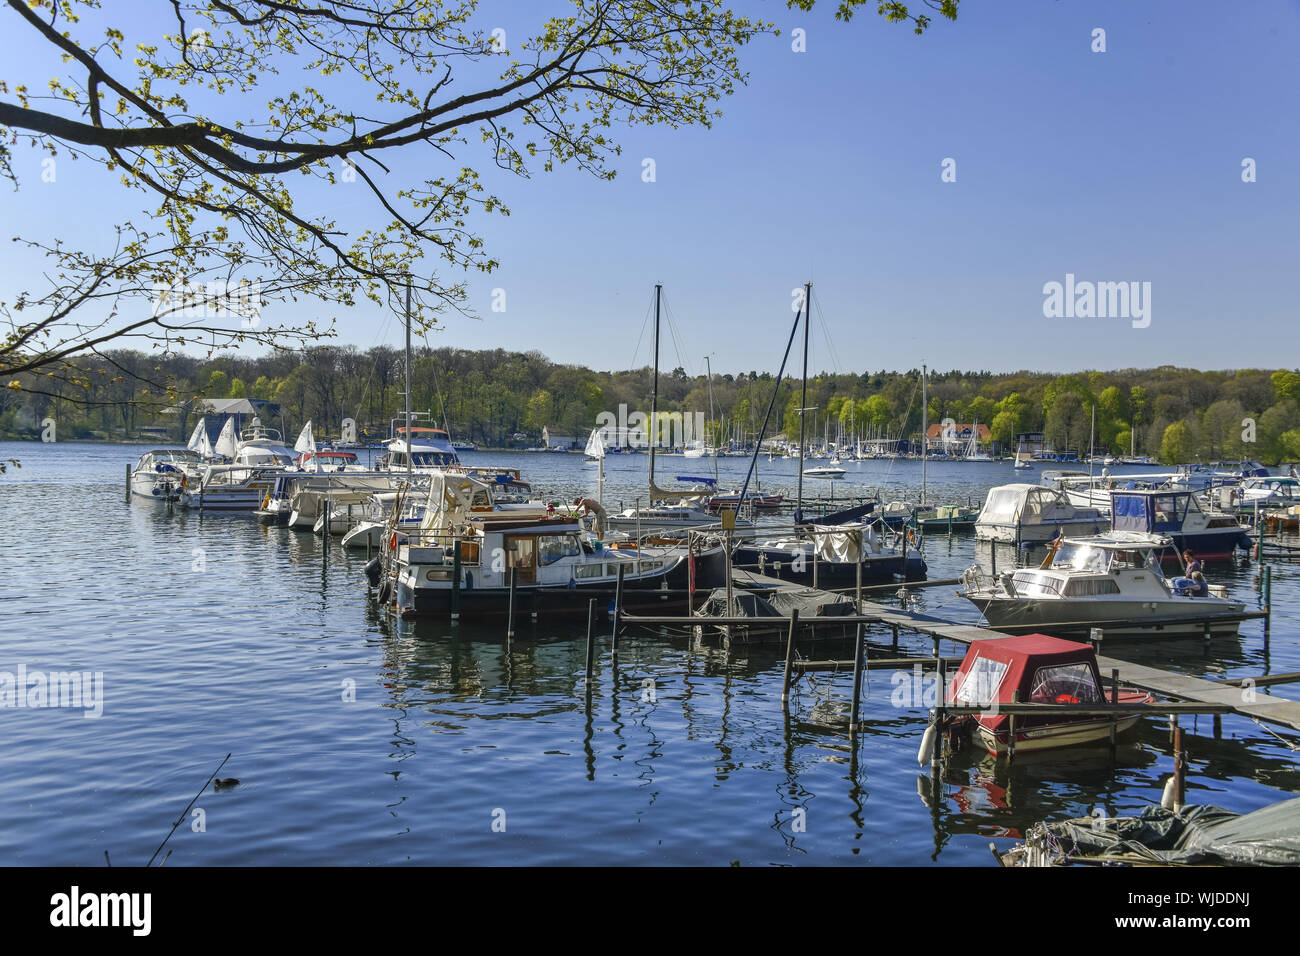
[[1032, 514], [158, 474], [824, 471], [1112, 581]]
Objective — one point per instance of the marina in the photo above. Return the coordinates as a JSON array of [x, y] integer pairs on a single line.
[[430, 679]]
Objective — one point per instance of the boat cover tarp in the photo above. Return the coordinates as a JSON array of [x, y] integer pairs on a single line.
[[775, 603], [840, 517], [1192, 835]]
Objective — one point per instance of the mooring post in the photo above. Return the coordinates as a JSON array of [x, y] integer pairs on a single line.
[[993, 552], [940, 699], [591, 636], [510, 610], [857, 678], [618, 606], [128, 482], [894, 628], [935, 637], [789, 658], [1094, 637], [1180, 769], [1268, 602], [1114, 699], [1011, 730], [455, 581]]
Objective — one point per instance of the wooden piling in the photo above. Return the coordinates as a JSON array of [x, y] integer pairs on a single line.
[[591, 635], [858, 654], [510, 611], [128, 482], [789, 657], [1180, 769], [618, 606], [1268, 602], [1011, 728]]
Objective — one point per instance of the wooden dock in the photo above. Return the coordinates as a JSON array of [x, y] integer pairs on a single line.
[[1183, 687]]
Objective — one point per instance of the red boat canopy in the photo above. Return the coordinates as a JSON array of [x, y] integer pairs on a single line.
[[1042, 669]]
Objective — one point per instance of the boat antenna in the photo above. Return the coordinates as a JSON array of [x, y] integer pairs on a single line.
[[709, 367]]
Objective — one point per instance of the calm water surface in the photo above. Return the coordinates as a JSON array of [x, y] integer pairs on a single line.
[[217, 635]]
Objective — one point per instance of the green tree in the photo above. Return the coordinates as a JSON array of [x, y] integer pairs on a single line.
[[1176, 446]]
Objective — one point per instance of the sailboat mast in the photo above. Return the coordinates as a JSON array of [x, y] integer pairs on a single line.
[[408, 385], [654, 394], [1092, 443], [709, 368], [803, 394], [925, 439]]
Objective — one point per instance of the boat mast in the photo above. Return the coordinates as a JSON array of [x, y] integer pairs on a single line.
[[709, 367], [925, 441], [803, 395], [654, 396], [409, 451], [1092, 436]]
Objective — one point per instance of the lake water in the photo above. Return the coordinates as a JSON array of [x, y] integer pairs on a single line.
[[215, 635]]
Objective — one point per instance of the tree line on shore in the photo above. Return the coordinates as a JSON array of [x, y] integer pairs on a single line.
[[491, 396]]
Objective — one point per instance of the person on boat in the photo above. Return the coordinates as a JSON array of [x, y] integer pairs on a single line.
[[1192, 562], [590, 506]]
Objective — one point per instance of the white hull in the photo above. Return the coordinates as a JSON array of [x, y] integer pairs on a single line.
[[1036, 533]]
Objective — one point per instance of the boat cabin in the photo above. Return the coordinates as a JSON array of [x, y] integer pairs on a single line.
[[1035, 669]]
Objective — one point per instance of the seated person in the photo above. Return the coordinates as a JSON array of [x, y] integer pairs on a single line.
[[1200, 587]]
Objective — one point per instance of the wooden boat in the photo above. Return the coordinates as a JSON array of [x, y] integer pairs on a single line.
[[1036, 669]]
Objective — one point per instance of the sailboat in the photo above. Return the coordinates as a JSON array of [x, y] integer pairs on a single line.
[[1020, 463]]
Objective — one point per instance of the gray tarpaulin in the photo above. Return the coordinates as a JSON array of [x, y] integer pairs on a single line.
[[1200, 835]]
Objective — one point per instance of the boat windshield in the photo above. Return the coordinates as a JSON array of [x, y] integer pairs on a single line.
[[1065, 684], [432, 459], [982, 681], [1081, 557]]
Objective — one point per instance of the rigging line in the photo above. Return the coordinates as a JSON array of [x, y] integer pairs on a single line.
[[645, 322], [830, 343], [374, 365], [678, 343]]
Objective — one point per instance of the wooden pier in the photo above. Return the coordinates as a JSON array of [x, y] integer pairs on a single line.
[[1198, 694]]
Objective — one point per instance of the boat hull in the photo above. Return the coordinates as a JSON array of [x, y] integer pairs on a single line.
[[1121, 618], [782, 564]]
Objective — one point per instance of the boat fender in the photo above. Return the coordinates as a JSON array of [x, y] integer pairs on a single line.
[[1167, 798], [927, 746], [385, 592], [373, 571]]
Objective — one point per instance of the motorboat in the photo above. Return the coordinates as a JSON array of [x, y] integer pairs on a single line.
[[328, 460], [833, 555], [557, 566], [1032, 514], [1112, 581], [158, 473], [825, 471], [1036, 669], [1211, 535]]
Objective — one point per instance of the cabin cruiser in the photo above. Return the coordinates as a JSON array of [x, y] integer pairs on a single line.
[[1275, 491], [558, 567], [1032, 514], [1111, 580], [428, 450], [329, 460], [158, 473], [1211, 535], [825, 471]]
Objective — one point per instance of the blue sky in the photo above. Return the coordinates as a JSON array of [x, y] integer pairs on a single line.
[[1115, 166]]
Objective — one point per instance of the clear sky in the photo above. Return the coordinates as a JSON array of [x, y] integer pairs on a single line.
[[1117, 166]]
